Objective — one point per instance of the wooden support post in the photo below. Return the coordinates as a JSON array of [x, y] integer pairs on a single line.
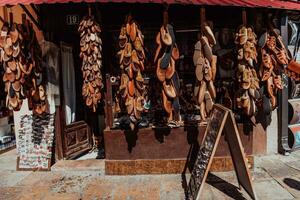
[[11, 18], [166, 16], [202, 17], [244, 17], [90, 10], [5, 13], [2, 20], [109, 118], [36, 23], [24, 18], [283, 146], [58, 134], [98, 14]]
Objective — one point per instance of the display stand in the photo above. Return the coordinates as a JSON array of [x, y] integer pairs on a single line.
[[33, 169], [221, 121], [294, 124], [108, 103], [164, 150]]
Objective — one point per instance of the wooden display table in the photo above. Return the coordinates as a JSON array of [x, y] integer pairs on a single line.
[[164, 150]]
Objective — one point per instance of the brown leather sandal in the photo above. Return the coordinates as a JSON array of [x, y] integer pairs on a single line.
[[207, 51], [160, 73], [211, 89], [165, 36], [208, 102], [133, 31], [175, 52], [209, 34], [166, 103], [131, 88], [171, 69], [169, 90], [202, 90], [199, 69], [129, 104]]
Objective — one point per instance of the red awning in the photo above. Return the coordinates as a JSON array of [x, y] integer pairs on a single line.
[[280, 4]]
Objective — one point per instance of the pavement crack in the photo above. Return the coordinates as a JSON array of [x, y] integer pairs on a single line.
[[277, 181], [295, 168]]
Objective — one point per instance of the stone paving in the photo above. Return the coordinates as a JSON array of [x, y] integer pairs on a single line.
[[275, 177]]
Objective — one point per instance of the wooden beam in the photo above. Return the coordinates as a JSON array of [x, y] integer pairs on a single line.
[[90, 10], [166, 16], [23, 18], [2, 20], [244, 17], [202, 17], [36, 23], [109, 115], [5, 13], [35, 9], [11, 18]]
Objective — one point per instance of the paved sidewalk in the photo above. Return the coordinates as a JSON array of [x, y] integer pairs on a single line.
[[275, 177]]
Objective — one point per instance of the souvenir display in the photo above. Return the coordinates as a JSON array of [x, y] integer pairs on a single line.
[[91, 48], [166, 55], [248, 93], [21, 57], [13, 77], [274, 59], [132, 57], [206, 68], [35, 141], [36, 82]]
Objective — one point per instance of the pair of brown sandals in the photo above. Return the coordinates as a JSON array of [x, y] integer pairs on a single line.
[[91, 48], [248, 93], [293, 70], [166, 55], [246, 99], [206, 67], [132, 58], [22, 77], [274, 61]]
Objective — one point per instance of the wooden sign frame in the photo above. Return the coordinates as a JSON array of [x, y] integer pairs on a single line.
[[221, 121], [33, 169]]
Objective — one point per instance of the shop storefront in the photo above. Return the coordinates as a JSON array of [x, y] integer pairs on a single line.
[[139, 79]]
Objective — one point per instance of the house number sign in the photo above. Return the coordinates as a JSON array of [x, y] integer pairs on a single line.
[[72, 20]]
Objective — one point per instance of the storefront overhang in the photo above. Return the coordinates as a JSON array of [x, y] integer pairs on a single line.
[[278, 4]]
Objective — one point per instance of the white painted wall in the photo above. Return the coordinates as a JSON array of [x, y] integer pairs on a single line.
[[272, 134]]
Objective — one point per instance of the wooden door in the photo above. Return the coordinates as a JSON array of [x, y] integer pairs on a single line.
[[73, 139], [76, 139]]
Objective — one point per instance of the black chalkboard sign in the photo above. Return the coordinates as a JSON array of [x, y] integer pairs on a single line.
[[221, 119]]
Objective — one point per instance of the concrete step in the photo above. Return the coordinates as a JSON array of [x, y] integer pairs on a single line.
[[79, 165]]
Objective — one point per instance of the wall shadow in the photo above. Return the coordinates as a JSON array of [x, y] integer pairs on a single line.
[[131, 138], [161, 132], [263, 118]]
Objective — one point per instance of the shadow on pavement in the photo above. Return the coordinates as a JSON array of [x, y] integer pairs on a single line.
[[227, 188], [292, 183]]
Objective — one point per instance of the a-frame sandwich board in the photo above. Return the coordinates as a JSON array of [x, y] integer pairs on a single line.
[[221, 121]]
